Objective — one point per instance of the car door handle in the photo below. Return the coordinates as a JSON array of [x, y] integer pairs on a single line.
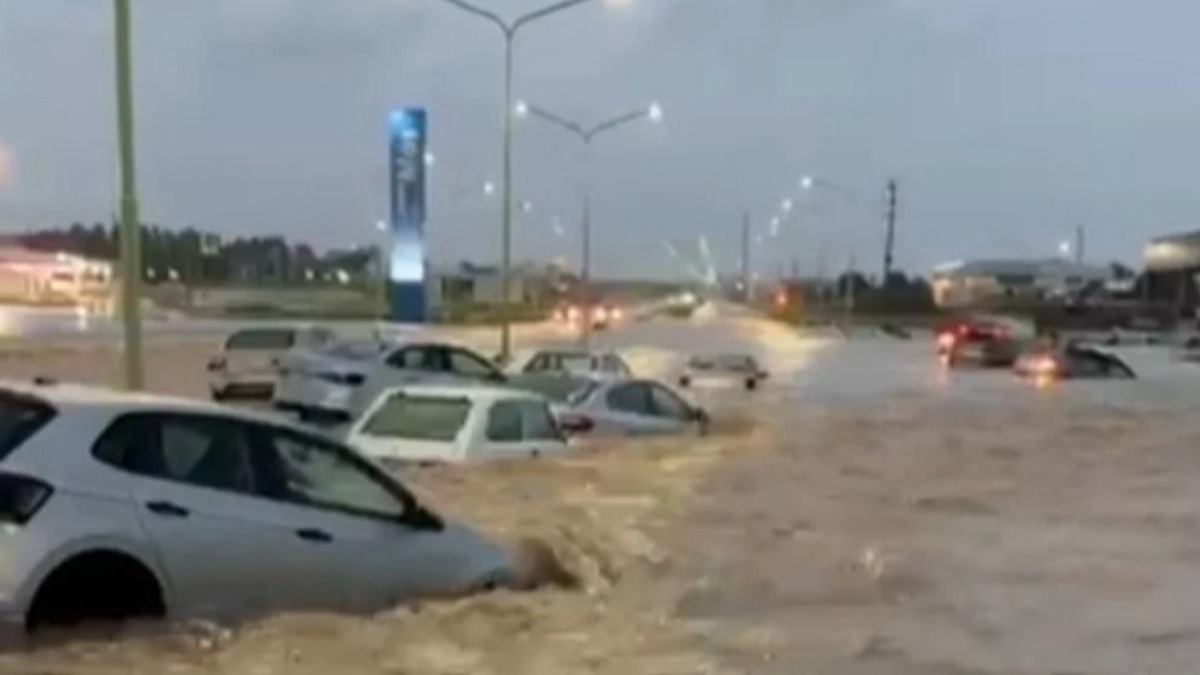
[[313, 535], [167, 509]]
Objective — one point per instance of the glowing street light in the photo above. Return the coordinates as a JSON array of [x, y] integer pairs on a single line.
[[653, 113], [509, 29]]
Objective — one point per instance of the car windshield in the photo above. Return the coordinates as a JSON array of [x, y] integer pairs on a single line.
[[558, 388], [261, 339], [418, 418]]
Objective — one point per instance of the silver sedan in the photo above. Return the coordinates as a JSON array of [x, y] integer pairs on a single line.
[[606, 406]]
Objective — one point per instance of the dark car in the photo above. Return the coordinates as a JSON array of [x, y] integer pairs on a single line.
[[979, 343], [1073, 360]]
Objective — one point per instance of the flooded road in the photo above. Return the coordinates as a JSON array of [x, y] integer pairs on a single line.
[[914, 521], [865, 513]]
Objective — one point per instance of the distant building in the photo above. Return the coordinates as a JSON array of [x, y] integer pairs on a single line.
[[1172, 266], [966, 283], [468, 283], [40, 278]]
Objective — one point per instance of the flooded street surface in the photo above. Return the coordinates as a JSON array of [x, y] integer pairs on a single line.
[[914, 522], [863, 513]]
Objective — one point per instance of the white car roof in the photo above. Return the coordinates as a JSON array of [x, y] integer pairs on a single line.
[[473, 392], [72, 395]]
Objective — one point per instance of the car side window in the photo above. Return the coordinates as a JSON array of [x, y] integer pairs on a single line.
[[505, 423], [539, 424], [418, 358], [630, 398], [667, 404], [195, 450], [463, 362], [313, 473], [537, 364]]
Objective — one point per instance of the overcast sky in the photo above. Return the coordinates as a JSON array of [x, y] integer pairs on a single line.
[[1006, 122]]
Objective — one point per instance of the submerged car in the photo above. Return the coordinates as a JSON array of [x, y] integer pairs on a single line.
[[722, 369], [338, 382], [436, 424], [977, 343], [600, 406], [1074, 360], [247, 366], [567, 361], [118, 505]]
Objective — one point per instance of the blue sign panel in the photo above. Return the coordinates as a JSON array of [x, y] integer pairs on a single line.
[[406, 260]]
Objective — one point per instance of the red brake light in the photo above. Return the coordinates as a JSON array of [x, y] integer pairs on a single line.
[[576, 424], [21, 497]]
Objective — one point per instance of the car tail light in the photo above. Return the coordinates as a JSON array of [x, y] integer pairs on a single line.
[[21, 497], [576, 424], [216, 363], [946, 340]]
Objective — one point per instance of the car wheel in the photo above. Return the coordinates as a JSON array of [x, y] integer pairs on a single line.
[[751, 384], [684, 382], [218, 394]]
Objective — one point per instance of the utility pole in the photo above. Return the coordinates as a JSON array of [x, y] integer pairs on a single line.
[[1080, 243], [889, 242], [746, 280]]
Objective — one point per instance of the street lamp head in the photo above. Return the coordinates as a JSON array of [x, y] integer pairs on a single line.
[[526, 206], [489, 188], [430, 159], [381, 225], [521, 109], [655, 112], [806, 183], [787, 205]]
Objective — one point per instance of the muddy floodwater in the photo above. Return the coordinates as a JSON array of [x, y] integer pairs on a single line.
[[864, 513]]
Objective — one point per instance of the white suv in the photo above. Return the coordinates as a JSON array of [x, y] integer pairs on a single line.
[[116, 505]]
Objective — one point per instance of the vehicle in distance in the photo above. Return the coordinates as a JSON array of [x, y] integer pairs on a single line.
[[247, 364], [436, 424], [722, 370], [338, 382], [602, 315], [570, 361], [979, 343], [120, 505], [1072, 360], [600, 406]]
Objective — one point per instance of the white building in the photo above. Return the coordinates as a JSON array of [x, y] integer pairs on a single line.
[[970, 282], [482, 284]]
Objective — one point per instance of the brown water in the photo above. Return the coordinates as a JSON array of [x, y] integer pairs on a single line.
[[862, 515]]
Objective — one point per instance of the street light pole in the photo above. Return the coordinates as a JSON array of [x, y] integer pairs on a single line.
[[130, 230], [509, 30], [586, 135]]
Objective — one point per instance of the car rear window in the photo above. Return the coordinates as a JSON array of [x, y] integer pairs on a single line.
[[21, 416], [418, 418], [261, 338]]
